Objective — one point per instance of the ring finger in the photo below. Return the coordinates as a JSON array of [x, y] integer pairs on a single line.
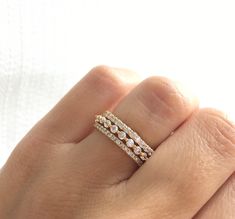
[[154, 109]]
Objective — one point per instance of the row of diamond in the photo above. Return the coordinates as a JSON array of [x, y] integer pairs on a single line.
[[118, 142], [122, 136], [130, 132]]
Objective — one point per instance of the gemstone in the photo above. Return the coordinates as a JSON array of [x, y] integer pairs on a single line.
[[143, 158], [113, 138], [126, 129], [118, 123], [131, 133], [128, 151], [102, 119], [130, 143], [144, 147], [114, 128], [123, 146], [107, 123], [121, 135], [118, 142], [141, 142], [137, 150], [137, 138], [97, 118]]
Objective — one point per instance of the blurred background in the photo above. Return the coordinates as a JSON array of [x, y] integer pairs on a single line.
[[46, 46]]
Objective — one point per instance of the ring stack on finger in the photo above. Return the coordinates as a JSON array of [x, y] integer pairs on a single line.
[[128, 140]]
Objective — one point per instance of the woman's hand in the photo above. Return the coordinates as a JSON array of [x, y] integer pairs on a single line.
[[63, 168]]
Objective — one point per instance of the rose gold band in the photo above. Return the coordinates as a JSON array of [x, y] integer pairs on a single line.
[[128, 140]]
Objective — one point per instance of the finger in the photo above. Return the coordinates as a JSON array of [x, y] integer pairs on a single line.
[[72, 118], [221, 205], [189, 167], [154, 108]]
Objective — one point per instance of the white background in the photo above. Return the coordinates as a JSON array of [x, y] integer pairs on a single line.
[[46, 46]]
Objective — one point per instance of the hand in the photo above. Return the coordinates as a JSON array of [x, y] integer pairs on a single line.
[[63, 168]]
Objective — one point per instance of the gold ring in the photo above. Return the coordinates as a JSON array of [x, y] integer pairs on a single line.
[[127, 139]]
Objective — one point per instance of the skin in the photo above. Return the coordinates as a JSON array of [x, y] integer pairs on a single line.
[[63, 168]]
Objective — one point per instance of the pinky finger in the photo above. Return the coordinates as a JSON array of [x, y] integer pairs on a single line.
[[222, 204]]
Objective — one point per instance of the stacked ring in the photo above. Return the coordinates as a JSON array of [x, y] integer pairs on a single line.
[[128, 140]]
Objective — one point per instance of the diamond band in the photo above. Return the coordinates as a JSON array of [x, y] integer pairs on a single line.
[[130, 132], [128, 140], [118, 143]]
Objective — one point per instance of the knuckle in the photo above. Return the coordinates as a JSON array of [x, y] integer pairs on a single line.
[[103, 78], [219, 131], [100, 69], [162, 97]]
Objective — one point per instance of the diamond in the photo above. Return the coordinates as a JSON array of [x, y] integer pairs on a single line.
[[121, 135], [118, 142], [127, 150], [102, 119], [137, 138], [113, 138], [126, 129], [130, 132], [107, 123], [130, 143], [144, 147], [118, 123], [137, 150], [114, 128], [123, 146]]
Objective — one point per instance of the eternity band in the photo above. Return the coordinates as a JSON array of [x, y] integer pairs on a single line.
[[124, 137]]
